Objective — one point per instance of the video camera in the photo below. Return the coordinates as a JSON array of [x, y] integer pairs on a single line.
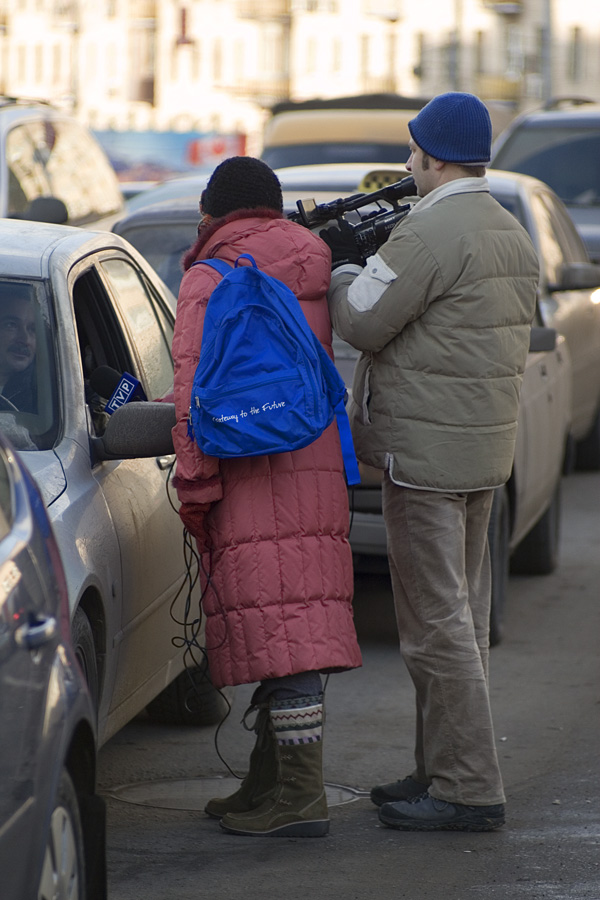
[[374, 227]]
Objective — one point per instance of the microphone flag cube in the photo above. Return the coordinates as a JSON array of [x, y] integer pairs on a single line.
[[127, 388]]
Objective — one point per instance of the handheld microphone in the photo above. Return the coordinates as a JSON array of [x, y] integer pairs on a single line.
[[120, 388]]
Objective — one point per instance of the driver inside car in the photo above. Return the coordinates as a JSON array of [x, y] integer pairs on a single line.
[[18, 383]]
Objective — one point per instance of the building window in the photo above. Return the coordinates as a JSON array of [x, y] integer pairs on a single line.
[[479, 63], [575, 62], [218, 60], [56, 60], [336, 56], [364, 55], [21, 63], [196, 63], [419, 68], [239, 63], [39, 64], [311, 56]]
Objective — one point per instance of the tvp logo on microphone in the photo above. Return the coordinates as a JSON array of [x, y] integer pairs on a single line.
[[127, 389]]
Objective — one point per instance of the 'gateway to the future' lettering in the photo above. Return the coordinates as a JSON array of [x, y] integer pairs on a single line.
[[254, 411]]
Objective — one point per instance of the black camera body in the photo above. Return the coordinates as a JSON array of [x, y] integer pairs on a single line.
[[374, 227]]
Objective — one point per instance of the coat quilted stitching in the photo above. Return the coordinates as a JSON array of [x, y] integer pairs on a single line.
[[281, 583]]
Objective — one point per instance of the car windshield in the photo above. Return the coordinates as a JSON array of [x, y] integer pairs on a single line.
[[567, 160], [28, 395], [163, 245]]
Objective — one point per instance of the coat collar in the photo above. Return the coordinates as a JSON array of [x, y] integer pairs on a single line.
[[206, 232], [456, 186]]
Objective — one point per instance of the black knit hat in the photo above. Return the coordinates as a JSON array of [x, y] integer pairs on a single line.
[[241, 182]]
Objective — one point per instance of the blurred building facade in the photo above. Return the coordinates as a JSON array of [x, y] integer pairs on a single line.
[[217, 66]]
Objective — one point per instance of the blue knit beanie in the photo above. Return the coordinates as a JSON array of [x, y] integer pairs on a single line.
[[454, 128]]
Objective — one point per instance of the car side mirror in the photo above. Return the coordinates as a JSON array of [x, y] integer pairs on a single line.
[[542, 340], [137, 430], [578, 276]]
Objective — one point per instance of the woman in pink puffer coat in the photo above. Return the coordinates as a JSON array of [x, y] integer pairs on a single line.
[[272, 530]]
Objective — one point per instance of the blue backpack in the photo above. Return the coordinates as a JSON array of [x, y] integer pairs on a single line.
[[263, 384]]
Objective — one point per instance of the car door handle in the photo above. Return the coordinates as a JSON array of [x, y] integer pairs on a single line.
[[163, 462], [34, 634]]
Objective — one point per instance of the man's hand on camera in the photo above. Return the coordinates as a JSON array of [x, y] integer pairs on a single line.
[[340, 239]]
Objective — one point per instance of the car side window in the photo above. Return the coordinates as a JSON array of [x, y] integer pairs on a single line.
[[101, 341], [552, 249], [571, 241], [147, 325]]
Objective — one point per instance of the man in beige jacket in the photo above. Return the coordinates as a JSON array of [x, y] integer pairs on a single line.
[[442, 315]]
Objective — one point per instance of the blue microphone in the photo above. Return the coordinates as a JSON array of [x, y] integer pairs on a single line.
[[127, 387]]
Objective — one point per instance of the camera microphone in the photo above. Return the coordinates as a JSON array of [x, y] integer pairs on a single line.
[[119, 388]]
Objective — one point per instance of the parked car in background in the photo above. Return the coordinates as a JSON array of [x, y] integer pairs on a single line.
[[52, 168], [52, 822], [79, 308], [560, 144], [367, 128], [526, 516], [188, 186], [569, 297], [318, 136]]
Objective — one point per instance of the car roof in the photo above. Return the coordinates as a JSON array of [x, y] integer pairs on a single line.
[[338, 125], [26, 247], [170, 210], [564, 116], [184, 186], [331, 176], [320, 181]]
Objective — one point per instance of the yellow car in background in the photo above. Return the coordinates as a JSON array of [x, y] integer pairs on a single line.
[[370, 129]]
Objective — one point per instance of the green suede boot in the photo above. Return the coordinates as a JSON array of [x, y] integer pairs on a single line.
[[262, 774], [298, 805]]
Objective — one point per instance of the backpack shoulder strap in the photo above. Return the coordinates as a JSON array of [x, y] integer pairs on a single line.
[[337, 393], [219, 264]]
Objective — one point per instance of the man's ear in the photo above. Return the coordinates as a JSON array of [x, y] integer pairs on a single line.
[[202, 199]]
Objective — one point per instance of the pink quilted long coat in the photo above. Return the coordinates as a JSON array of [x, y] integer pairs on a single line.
[[279, 597]]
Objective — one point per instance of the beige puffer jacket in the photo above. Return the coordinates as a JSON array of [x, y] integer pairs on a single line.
[[442, 314]]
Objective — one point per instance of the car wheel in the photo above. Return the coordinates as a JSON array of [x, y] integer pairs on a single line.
[[63, 872], [85, 651], [498, 538], [537, 554], [587, 453], [191, 699]]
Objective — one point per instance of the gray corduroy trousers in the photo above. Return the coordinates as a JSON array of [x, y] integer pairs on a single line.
[[440, 570]]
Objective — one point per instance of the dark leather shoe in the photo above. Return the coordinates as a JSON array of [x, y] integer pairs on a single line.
[[404, 789], [429, 814]]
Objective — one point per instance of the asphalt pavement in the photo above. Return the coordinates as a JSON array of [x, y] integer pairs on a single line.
[[545, 690]]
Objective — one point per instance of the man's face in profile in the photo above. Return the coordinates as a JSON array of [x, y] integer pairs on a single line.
[[17, 336]]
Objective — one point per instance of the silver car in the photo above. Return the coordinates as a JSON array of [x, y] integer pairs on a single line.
[[52, 821], [77, 308]]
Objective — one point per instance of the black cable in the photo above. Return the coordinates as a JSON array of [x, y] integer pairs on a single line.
[[191, 630]]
